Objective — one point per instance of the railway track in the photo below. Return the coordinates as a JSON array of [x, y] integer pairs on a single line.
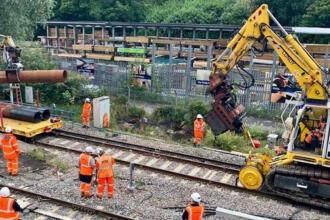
[[48, 207], [203, 170], [156, 152]]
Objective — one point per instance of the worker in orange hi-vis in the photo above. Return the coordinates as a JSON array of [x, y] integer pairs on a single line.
[[86, 168], [195, 210], [9, 207], [87, 108], [105, 120], [10, 151], [104, 167], [199, 127]]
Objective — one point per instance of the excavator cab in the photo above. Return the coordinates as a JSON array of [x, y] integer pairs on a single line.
[[310, 133]]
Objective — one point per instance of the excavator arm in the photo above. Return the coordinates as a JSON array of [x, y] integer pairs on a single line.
[[226, 114], [11, 55]]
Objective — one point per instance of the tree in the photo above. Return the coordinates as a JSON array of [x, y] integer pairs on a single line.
[[288, 13], [19, 18], [317, 14], [201, 11], [101, 10]]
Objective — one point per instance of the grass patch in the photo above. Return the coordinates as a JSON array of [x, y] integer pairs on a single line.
[[140, 183], [230, 141], [59, 164], [51, 160], [38, 153]]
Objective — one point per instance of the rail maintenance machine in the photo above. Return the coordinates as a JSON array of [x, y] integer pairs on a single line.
[[302, 173], [26, 121]]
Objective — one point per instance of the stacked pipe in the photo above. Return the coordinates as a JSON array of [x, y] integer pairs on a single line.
[[34, 76], [25, 113], [30, 113]]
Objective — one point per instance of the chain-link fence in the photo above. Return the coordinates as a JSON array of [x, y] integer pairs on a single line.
[[174, 82]]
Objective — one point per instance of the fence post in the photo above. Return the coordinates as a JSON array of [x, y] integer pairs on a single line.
[[188, 86], [247, 94], [274, 67], [170, 75]]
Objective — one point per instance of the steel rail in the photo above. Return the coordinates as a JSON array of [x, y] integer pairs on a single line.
[[272, 195], [175, 156]]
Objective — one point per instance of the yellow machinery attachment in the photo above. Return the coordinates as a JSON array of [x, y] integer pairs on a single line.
[[257, 166]]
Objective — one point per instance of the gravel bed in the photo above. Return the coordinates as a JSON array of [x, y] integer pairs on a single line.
[[161, 144], [154, 193]]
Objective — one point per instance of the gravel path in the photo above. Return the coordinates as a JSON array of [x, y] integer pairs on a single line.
[[153, 193]]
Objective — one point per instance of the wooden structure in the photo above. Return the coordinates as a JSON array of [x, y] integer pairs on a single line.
[[198, 43]]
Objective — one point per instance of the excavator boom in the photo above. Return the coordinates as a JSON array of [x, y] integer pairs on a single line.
[[226, 114]]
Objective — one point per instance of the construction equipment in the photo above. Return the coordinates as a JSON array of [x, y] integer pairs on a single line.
[[11, 55], [303, 173], [27, 121]]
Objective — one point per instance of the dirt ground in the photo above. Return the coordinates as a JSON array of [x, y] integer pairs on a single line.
[[26, 164]]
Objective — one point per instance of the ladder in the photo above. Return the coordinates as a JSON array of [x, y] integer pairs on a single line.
[[15, 88]]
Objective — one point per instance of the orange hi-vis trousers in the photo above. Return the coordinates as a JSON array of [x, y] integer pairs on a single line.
[[101, 185], [85, 188], [86, 120], [12, 165]]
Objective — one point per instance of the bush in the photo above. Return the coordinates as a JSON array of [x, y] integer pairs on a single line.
[[136, 112], [230, 141], [258, 133], [263, 112], [168, 114]]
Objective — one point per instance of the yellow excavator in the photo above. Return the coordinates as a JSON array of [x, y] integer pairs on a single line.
[[303, 172], [11, 54]]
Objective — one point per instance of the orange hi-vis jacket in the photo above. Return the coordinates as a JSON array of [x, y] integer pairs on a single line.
[[104, 166], [6, 209], [86, 109], [105, 120], [85, 166], [10, 147], [195, 212], [313, 133], [199, 126]]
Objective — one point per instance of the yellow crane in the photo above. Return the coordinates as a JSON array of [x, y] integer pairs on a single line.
[[302, 173]]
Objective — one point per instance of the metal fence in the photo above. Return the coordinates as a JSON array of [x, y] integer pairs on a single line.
[[173, 82]]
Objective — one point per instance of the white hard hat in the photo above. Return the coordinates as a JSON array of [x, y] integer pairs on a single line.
[[199, 116], [8, 129], [89, 149], [87, 100], [100, 151], [196, 197], [4, 192]]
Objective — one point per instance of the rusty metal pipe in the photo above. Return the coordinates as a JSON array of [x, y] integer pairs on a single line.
[[34, 76]]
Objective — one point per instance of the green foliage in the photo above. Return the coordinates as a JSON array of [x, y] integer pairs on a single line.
[[106, 10], [200, 11], [263, 112], [59, 164], [288, 13], [258, 133], [122, 111], [230, 141], [317, 14], [135, 112], [168, 114], [34, 57], [38, 153], [19, 18]]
